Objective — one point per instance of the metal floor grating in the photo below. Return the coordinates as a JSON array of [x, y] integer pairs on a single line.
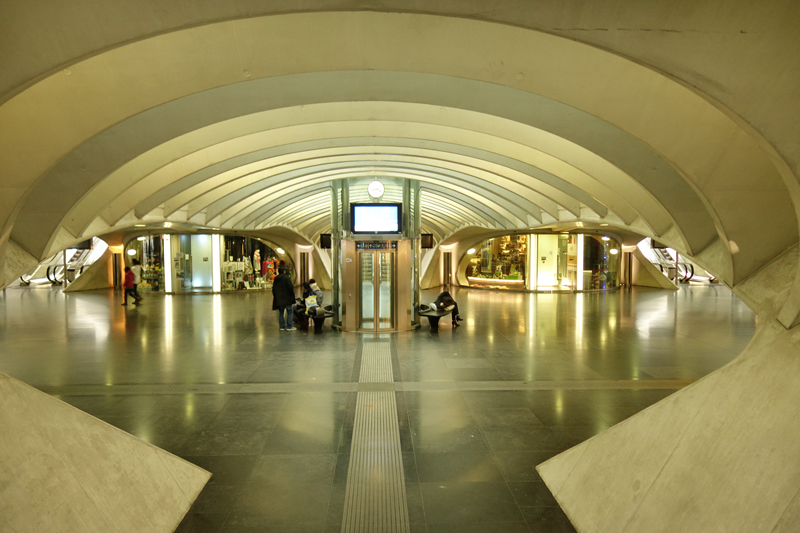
[[375, 497]]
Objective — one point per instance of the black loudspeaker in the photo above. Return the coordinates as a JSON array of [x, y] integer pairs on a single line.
[[325, 241], [426, 239]]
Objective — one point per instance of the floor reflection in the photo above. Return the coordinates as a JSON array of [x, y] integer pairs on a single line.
[[524, 377]]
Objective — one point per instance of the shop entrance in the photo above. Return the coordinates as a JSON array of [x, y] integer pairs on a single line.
[[378, 291]]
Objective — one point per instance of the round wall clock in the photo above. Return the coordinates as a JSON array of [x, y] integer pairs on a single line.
[[375, 189]]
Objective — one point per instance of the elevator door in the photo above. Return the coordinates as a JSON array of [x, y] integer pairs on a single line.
[[377, 271]]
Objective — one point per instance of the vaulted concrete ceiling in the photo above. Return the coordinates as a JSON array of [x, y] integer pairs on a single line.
[[240, 117]]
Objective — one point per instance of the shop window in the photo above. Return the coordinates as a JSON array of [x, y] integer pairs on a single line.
[[149, 250], [248, 263], [499, 263]]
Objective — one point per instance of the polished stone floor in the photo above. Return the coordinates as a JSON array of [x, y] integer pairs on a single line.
[[270, 414]]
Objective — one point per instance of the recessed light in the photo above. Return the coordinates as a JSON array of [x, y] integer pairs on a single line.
[[613, 251], [131, 252], [604, 224], [605, 238], [281, 251], [140, 225], [471, 251]]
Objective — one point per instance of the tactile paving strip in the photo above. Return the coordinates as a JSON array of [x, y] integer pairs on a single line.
[[375, 497]]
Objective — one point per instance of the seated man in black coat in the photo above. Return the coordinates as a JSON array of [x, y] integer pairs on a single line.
[[445, 302]]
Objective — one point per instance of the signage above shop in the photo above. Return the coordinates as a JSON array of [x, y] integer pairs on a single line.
[[377, 245]]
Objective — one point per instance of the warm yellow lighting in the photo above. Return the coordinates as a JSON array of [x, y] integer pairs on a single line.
[[613, 251], [141, 238], [605, 238], [139, 225], [216, 260], [131, 252], [167, 265], [280, 251], [604, 224], [471, 251]]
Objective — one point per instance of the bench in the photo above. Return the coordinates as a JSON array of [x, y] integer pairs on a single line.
[[319, 321], [433, 317]]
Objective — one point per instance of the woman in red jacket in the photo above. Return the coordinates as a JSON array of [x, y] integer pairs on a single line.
[[128, 286]]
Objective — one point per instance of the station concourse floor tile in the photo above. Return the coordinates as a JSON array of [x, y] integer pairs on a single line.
[[271, 414]]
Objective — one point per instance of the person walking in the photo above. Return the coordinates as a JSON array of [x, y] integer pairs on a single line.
[[137, 279], [128, 286], [283, 298]]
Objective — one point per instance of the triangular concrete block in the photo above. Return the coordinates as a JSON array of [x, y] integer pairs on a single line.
[[64, 470]]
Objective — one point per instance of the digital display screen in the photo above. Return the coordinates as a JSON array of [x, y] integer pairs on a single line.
[[375, 218]]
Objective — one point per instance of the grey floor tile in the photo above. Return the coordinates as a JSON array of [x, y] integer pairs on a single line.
[[226, 441], [437, 439], [302, 468], [532, 494], [435, 400], [569, 436], [312, 440], [281, 506], [458, 417], [313, 527], [521, 466], [547, 520], [216, 499], [456, 502], [283, 451], [202, 523], [503, 418], [492, 399], [520, 439], [226, 470], [458, 467], [481, 527]]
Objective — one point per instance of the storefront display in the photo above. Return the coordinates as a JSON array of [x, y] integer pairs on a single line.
[[601, 263], [248, 264], [148, 250], [242, 263], [501, 262], [545, 262]]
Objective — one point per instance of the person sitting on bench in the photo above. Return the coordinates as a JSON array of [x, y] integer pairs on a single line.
[[445, 302]]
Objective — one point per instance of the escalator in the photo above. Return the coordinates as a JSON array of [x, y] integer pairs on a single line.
[[53, 270]]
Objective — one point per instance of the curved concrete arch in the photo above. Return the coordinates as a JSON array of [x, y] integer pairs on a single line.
[[168, 168], [505, 212], [238, 194], [275, 210], [664, 141], [228, 193], [453, 180], [327, 86], [586, 193]]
